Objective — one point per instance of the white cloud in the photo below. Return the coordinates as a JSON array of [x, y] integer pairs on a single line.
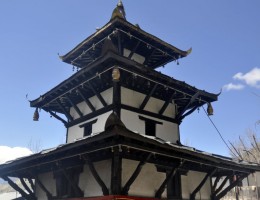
[[232, 86], [251, 78], [11, 153]]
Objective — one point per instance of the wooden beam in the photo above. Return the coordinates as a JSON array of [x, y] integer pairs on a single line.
[[228, 188], [48, 194], [116, 172], [18, 189], [96, 176], [135, 174], [32, 184], [100, 98], [193, 98], [117, 97], [76, 188], [193, 194], [26, 187], [74, 106], [146, 99], [134, 49], [215, 183], [66, 113], [145, 112], [92, 108], [221, 186], [56, 116], [148, 59], [166, 103], [189, 112], [91, 115], [161, 189]]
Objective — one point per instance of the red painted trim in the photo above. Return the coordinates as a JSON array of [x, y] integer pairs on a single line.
[[113, 197]]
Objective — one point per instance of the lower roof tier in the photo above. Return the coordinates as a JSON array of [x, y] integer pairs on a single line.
[[134, 146]]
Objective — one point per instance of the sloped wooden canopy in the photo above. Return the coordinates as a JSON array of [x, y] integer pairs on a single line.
[[96, 78], [131, 146], [124, 35]]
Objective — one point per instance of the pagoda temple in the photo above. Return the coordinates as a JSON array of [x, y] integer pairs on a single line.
[[122, 119]]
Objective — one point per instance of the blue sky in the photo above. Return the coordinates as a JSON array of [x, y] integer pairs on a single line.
[[224, 35]]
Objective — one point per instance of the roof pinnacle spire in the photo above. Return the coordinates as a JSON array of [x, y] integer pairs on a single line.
[[119, 11]]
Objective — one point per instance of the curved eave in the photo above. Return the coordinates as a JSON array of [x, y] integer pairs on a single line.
[[70, 85], [119, 23]]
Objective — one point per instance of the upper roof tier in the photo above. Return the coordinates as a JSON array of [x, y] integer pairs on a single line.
[[129, 40]]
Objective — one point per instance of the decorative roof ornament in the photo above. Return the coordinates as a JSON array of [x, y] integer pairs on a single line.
[[119, 11]]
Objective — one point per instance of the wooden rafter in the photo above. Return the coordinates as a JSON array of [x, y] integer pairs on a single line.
[[73, 184], [146, 99], [56, 116], [91, 115], [148, 59], [215, 183], [18, 189], [228, 188], [135, 174], [223, 183], [100, 98], [145, 112], [41, 185], [32, 184], [26, 186], [197, 189], [66, 113], [165, 105], [193, 98], [188, 113], [159, 192], [96, 176], [74, 106], [92, 108], [134, 49]]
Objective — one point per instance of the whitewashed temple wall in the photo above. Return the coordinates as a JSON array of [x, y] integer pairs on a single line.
[[252, 180], [147, 182], [189, 183], [49, 182], [167, 131], [75, 132], [83, 107], [135, 99], [87, 182]]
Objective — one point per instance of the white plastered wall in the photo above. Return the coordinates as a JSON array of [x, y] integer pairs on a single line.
[[135, 99], [87, 182], [49, 182], [148, 181], [167, 131], [189, 183], [83, 107], [75, 132]]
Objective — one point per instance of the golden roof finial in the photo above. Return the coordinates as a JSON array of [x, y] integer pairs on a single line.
[[119, 11]]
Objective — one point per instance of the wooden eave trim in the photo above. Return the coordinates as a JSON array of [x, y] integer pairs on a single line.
[[146, 72], [147, 146], [117, 22], [38, 102]]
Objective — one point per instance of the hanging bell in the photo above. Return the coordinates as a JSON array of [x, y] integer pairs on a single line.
[[36, 115], [210, 109], [116, 74]]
